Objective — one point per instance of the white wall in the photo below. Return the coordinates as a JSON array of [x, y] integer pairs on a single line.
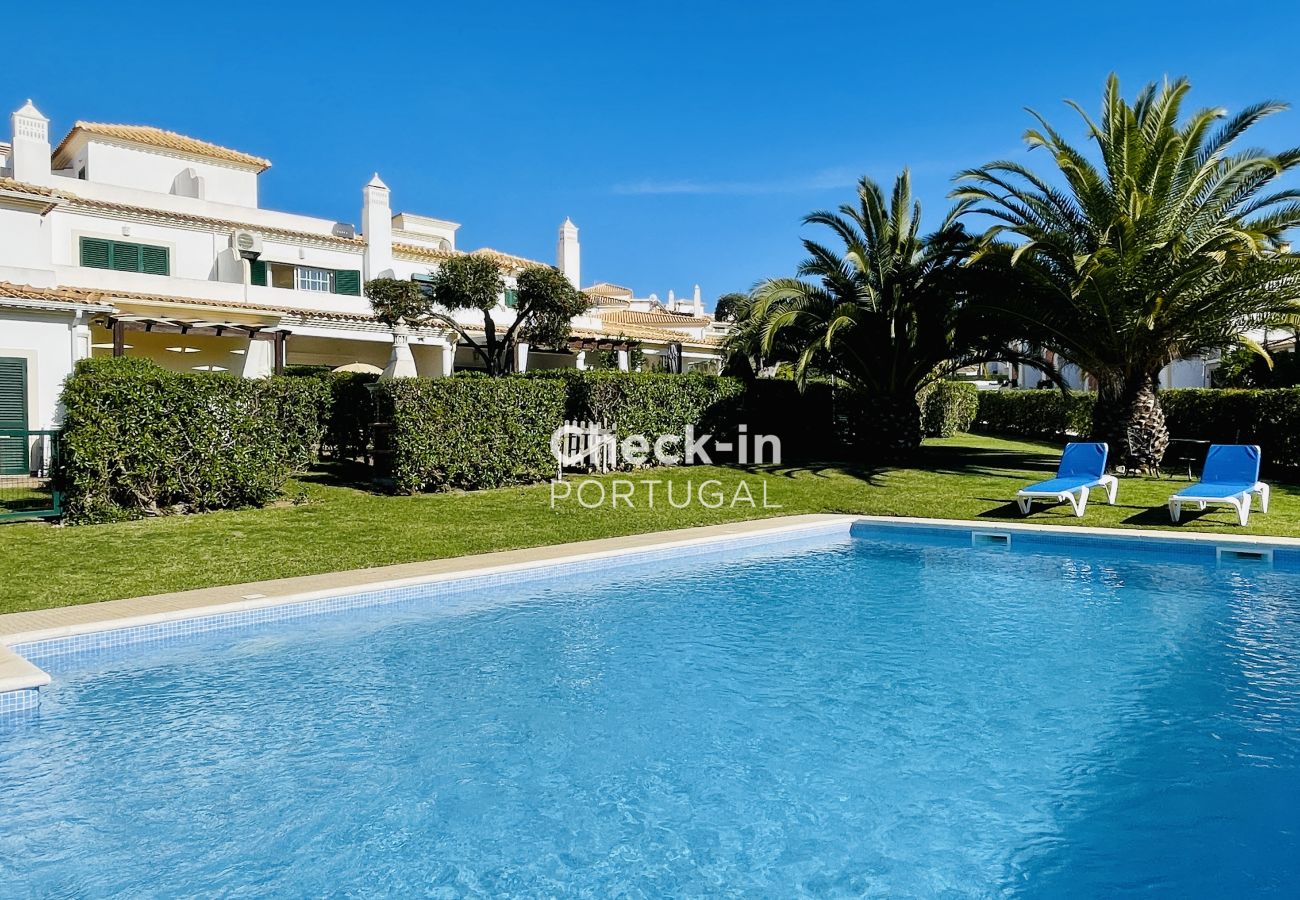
[[48, 343], [156, 171], [24, 238], [1185, 373]]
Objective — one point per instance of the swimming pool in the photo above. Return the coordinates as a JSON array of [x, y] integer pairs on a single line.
[[899, 711]]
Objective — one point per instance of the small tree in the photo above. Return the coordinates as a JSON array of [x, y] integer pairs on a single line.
[[730, 306], [546, 304]]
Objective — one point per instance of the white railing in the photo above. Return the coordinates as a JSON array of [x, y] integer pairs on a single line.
[[588, 445]]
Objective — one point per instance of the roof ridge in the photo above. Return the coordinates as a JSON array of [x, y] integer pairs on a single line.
[[154, 136]]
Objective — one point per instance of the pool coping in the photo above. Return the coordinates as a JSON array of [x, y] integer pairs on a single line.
[[30, 626], [19, 674]]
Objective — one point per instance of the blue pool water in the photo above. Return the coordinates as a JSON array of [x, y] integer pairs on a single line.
[[841, 717]]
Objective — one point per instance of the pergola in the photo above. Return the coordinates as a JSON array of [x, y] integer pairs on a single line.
[[585, 343], [120, 324]]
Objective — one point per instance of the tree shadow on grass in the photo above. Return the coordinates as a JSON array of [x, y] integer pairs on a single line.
[[989, 461], [354, 475], [819, 469], [1041, 512]]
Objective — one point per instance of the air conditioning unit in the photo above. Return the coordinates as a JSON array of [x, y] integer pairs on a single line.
[[246, 243]]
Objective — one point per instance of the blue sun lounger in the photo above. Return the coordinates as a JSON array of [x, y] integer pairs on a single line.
[[1082, 468], [1230, 478]]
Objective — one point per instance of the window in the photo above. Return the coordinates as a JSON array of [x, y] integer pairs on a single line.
[[123, 256], [512, 298], [310, 279], [305, 278]]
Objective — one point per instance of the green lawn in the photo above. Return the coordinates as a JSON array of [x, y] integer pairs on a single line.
[[342, 526]]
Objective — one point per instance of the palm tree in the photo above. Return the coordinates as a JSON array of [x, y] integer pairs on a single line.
[[1169, 244], [895, 311]]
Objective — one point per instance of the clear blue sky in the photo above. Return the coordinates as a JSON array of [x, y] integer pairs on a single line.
[[686, 140]]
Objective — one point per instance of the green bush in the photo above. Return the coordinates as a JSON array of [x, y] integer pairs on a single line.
[[350, 416], [138, 439], [949, 407], [1269, 417], [468, 433], [810, 423], [1038, 413], [651, 403]]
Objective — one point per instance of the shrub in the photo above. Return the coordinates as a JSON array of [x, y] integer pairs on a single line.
[[468, 433], [948, 407], [350, 416], [1038, 413], [651, 403], [138, 439], [810, 423], [1269, 417]]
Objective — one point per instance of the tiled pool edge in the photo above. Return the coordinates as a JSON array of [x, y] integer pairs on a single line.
[[20, 679], [1081, 535]]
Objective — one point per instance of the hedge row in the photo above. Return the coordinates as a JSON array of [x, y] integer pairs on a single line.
[[651, 403], [140, 440], [1037, 414], [1269, 417], [948, 407], [467, 432]]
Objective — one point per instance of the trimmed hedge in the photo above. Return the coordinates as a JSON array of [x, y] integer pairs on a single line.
[[350, 417], [140, 440], [651, 403], [467, 432], [1269, 417], [1039, 413], [949, 407], [655, 403]]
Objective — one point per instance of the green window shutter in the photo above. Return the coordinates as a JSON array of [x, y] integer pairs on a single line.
[[257, 272], [125, 257], [154, 260], [512, 298], [347, 281], [95, 253], [13, 415]]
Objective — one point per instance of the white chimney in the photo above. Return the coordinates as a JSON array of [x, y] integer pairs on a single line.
[[568, 253], [31, 150], [699, 303], [377, 229]]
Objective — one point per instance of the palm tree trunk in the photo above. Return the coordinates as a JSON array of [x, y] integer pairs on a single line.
[[886, 427], [1129, 418]]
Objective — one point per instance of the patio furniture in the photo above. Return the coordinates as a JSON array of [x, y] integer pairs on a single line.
[[1230, 478], [1185, 453], [1082, 468]]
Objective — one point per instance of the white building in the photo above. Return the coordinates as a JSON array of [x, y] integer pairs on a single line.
[[620, 312], [132, 240]]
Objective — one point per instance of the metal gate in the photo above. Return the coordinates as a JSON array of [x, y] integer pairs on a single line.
[[27, 489]]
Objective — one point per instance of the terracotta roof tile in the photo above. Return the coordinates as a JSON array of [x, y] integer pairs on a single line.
[[109, 299], [172, 216], [168, 140], [672, 320]]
